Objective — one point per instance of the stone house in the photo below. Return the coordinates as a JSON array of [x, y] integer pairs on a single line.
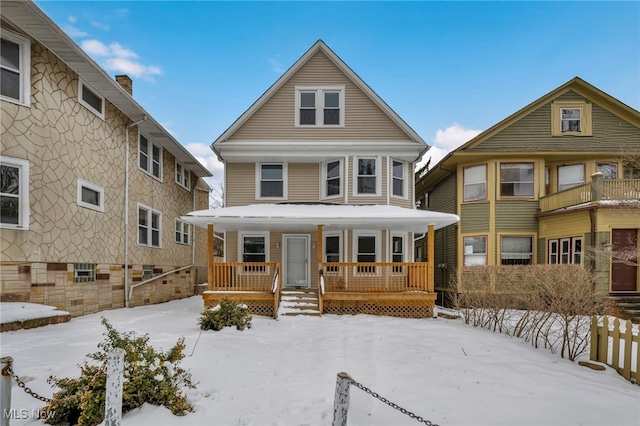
[[93, 187]]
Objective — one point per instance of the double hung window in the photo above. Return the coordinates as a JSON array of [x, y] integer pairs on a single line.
[[367, 175], [14, 193], [516, 179], [15, 66], [183, 230], [475, 251], [149, 227], [333, 179], [271, 180], [183, 176], [399, 181], [150, 157], [570, 176], [516, 250], [475, 182], [319, 106]]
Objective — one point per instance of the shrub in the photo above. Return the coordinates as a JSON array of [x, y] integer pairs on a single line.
[[547, 305], [149, 376], [227, 314]]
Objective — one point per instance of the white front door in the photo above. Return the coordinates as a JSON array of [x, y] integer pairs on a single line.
[[296, 261]]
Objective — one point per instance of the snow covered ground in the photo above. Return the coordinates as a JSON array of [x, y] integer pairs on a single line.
[[283, 372]]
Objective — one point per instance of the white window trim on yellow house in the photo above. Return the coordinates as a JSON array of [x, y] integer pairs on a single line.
[[82, 184], [585, 118], [149, 154], [325, 178], [285, 180], [378, 175]]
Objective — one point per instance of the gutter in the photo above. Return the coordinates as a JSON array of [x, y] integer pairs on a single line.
[[126, 207]]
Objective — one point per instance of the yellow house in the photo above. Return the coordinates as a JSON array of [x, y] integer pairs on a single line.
[[319, 190], [556, 182]]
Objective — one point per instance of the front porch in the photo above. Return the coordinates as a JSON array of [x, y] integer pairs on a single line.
[[394, 288]]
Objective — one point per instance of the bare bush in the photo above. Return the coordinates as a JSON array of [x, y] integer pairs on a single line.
[[547, 305]]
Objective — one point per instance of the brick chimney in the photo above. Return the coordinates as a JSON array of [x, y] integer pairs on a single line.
[[126, 83]]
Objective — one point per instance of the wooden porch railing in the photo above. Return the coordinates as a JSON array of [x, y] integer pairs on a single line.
[[616, 189], [244, 276], [376, 277]]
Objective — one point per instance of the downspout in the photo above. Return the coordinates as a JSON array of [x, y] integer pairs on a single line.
[[126, 208]]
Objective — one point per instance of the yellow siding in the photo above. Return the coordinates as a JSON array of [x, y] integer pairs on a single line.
[[564, 225], [363, 119]]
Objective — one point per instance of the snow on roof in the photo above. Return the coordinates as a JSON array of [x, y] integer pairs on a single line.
[[307, 216]]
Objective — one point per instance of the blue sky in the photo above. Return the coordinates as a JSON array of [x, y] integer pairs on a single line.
[[449, 69]]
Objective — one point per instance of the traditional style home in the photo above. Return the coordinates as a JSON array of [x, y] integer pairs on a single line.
[[319, 190], [93, 188], [556, 182]]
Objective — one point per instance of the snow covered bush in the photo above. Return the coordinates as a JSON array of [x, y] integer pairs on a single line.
[[227, 314], [150, 376]]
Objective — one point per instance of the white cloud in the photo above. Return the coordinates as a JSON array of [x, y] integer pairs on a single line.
[[454, 136], [95, 47], [74, 32], [120, 59], [445, 141], [199, 149], [72, 19]]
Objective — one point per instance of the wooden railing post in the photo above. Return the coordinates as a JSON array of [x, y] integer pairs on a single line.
[[431, 255], [210, 254]]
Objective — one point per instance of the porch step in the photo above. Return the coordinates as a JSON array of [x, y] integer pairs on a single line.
[[299, 302], [626, 307]]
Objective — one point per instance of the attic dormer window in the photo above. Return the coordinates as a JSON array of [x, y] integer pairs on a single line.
[[319, 106], [571, 118]]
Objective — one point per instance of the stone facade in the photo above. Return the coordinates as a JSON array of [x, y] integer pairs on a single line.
[[63, 141]]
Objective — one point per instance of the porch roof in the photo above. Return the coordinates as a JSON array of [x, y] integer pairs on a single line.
[[307, 216]]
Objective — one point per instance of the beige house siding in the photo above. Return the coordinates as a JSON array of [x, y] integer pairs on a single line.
[[240, 186], [364, 120], [304, 181], [532, 133]]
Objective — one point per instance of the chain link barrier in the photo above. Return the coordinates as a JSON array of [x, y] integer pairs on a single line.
[[390, 404], [8, 371]]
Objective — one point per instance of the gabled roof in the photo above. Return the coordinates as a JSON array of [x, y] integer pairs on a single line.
[[576, 84], [29, 18], [320, 46]]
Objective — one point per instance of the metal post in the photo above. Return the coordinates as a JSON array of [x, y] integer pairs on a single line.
[[113, 404], [341, 402], [5, 389]]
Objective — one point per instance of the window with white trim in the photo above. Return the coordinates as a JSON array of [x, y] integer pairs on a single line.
[[149, 227], [14, 193], [475, 182], [183, 176], [475, 251], [321, 106], [90, 99], [399, 183], [565, 251], [271, 180], [570, 176], [516, 180], [90, 195], [84, 272], [15, 68], [516, 250], [147, 272], [149, 157], [367, 176], [366, 249], [183, 230], [332, 171]]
